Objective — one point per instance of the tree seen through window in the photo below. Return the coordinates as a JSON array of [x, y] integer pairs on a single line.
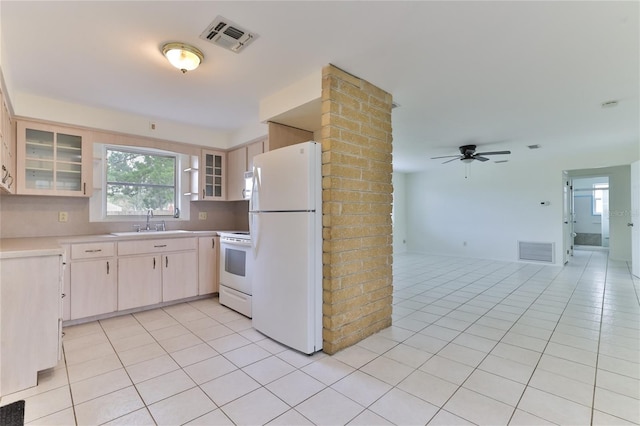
[[139, 181]]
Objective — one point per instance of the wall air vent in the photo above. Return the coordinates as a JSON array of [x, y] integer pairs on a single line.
[[228, 34], [536, 252]]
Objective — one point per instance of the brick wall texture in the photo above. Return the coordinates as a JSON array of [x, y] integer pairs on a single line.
[[357, 196]]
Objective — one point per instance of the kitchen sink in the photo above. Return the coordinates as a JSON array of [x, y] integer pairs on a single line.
[[150, 232]]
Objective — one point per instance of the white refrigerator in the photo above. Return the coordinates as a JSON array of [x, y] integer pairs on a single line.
[[285, 221]]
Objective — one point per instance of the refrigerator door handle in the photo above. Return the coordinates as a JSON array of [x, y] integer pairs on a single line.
[[251, 232], [254, 231], [254, 203]]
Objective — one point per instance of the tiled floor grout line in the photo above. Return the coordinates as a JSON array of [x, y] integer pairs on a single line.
[[66, 368], [183, 323], [566, 305], [595, 378], [499, 341], [365, 408], [125, 370], [474, 322], [550, 335], [549, 298], [636, 289]]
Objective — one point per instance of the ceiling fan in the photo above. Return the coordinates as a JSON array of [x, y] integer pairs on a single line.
[[468, 154]]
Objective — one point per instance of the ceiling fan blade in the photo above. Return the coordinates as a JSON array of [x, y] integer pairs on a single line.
[[494, 153], [453, 159], [445, 156], [477, 157]]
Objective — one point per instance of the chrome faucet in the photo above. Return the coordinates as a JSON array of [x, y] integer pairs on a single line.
[[149, 216]]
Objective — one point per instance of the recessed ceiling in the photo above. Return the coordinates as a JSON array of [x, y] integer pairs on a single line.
[[500, 75]]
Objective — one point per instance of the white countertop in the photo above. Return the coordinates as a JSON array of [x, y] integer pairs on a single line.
[[48, 246], [29, 247]]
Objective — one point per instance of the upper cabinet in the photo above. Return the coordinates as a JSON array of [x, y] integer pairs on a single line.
[[253, 150], [212, 175], [53, 160], [237, 165], [7, 149], [239, 161]]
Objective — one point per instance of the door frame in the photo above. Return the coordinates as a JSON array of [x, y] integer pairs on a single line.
[[568, 219], [634, 218]]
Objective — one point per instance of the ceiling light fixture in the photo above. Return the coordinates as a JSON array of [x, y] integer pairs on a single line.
[[182, 56], [467, 160]]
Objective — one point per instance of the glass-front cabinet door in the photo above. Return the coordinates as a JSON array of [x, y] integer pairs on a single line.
[[53, 160], [212, 175]]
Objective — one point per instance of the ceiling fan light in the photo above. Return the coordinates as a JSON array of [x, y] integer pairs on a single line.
[[182, 56], [467, 160]]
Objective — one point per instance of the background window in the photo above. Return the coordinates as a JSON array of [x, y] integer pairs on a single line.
[[138, 181], [598, 194]]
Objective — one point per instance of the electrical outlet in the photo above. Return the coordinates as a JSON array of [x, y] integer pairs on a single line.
[[152, 125], [202, 215], [63, 216]]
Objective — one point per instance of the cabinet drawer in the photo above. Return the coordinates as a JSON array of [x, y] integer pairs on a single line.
[[92, 250], [156, 246]]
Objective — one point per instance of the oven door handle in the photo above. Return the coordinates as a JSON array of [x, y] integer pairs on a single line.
[[235, 243]]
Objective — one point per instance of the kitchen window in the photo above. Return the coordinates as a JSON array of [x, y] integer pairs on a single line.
[[138, 181], [129, 180]]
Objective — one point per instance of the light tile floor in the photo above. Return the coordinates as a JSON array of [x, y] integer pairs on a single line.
[[472, 342]]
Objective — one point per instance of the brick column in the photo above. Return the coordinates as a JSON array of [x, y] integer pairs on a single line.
[[357, 195]]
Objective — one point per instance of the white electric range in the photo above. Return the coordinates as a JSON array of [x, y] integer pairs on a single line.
[[236, 266]]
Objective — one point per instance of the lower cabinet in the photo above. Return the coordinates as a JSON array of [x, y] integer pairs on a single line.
[[104, 277], [208, 263], [139, 281], [92, 279], [30, 319], [154, 271], [94, 287], [179, 276]]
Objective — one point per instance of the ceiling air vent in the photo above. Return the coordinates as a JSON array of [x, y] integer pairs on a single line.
[[536, 146], [228, 34]]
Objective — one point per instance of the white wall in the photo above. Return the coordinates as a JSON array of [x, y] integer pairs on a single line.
[[27, 105], [399, 213], [585, 221], [491, 210], [499, 204]]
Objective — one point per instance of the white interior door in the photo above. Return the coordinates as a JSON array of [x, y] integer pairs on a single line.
[[635, 218], [604, 220]]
